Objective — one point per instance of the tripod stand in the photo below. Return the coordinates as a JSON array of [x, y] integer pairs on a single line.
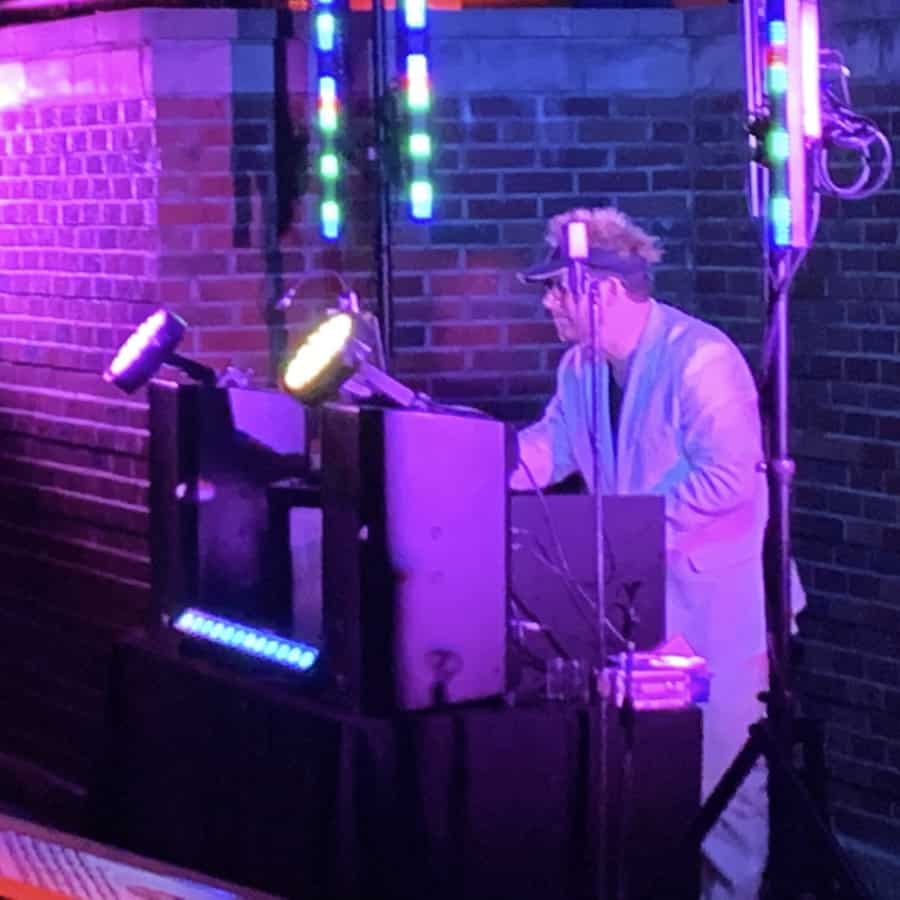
[[775, 736]]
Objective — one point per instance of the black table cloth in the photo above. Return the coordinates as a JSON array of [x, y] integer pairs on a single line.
[[238, 774]]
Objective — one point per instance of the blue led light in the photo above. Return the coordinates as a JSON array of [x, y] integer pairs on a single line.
[[244, 639], [330, 215], [414, 13], [325, 28], [777, 31], [780, 214], [421, 198]]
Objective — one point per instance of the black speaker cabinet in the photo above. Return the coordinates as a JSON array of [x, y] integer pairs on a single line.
[[213, 453], [415, 557]]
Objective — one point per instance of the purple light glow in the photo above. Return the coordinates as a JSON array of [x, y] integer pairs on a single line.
[[809, 41], [13, 86], [797, 179]]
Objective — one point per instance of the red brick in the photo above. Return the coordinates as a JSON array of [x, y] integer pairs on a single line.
[[223, 289], [464, 284], [426, 362], [464, 335], [192, 108], [200, 213], [506, 360], [532, 333], [429, 310], [233, 340]]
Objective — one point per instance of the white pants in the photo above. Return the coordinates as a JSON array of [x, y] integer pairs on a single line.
[[735, 850], [721, 615]]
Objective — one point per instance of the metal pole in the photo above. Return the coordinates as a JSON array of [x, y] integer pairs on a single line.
[[378, 153]]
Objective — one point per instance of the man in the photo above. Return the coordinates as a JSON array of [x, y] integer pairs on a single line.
[[688, 428]]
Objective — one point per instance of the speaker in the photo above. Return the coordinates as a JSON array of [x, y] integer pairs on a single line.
[[213, 454], [415, 512]]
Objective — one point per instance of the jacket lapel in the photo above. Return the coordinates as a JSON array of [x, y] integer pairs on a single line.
[[641, 378]]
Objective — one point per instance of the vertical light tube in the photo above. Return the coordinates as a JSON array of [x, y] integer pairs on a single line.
[[413, 63], [797, 161], [809, 41], [777, 148], [329, 20]]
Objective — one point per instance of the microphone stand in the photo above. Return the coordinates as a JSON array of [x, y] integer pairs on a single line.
[[585, 295], [627, 722]]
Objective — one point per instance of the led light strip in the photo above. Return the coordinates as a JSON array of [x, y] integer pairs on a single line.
[[246, 640], [778, 140], [792, 85], [413, 63], [329, 18]]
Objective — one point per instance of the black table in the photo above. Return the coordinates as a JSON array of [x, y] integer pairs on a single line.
[[239, 775]]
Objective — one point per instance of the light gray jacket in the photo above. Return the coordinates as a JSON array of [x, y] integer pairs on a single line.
[[689, 429]]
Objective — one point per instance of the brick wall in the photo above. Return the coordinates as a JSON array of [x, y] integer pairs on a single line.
[[214, 215]]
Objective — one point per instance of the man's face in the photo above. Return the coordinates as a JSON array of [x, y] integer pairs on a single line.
[[571, 315]]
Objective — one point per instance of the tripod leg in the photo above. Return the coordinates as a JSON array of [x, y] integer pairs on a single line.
[[794, 798], [724, 791]]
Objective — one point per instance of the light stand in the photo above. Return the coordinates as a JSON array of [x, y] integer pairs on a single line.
[[384, 267], [790, 144]]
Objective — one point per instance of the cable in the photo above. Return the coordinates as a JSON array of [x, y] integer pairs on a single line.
[[563, 569], [847, 130], [286, 300], [547, 632], [578, 592]]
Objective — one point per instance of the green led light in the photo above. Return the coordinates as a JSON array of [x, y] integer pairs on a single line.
[[330, 213], [778, 78], [418, 98], [420, 145], [777, 145], [328, 165], [328, 118], [777, 32]]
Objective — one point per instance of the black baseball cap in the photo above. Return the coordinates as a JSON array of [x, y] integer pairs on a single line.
[[558, 261]]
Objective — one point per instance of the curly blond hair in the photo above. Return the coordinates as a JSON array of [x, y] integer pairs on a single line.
[[612, 230], [608, 228]]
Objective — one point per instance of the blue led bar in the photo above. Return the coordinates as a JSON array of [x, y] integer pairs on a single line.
[[244, 639], [414, 65], [790, 41], [329, 20], [777, 143]]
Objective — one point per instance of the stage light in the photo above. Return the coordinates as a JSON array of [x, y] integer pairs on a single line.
[[246, 640], [150, 346], [331, 356]]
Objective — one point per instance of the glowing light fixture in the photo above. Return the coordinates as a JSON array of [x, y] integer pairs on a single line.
[[246, 640], [150, 346], [330, 20], [330, 356], [412, 62], [791, 62]]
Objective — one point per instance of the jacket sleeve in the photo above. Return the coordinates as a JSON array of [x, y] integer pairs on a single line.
[[721, 439], [546, 447]]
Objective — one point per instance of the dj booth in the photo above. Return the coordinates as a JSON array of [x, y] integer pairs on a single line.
[[415, 758], [226, 772]]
